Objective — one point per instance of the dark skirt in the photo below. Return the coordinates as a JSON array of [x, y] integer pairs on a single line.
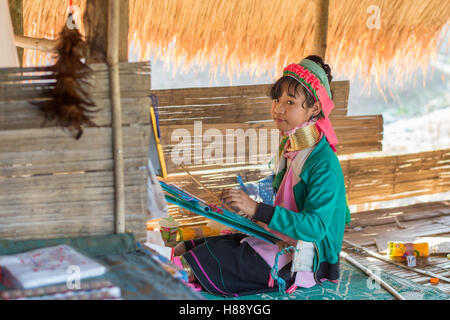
[[225, 266]]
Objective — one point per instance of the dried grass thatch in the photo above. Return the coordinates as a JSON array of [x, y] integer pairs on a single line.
[[256, 36]]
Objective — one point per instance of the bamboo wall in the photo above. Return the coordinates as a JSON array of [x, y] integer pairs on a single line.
[[52, 185]]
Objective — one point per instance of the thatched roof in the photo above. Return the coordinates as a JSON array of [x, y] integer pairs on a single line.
[[263, 35]]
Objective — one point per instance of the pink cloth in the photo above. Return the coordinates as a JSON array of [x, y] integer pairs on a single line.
[[324, 124], [284, 198], [177, 262]]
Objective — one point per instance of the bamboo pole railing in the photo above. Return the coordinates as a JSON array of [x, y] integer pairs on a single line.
[[113, 62]]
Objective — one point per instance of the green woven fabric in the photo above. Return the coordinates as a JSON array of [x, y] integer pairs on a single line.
[[353, 285], [92, 246], [137, 274], [318, 72]]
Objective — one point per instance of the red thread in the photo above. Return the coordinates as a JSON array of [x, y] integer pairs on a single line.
[[291, 289], [271, 281]]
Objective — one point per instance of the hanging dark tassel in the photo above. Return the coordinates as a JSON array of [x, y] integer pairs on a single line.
[[70, 105]]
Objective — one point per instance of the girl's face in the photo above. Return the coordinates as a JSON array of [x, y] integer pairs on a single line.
[[289, 110]]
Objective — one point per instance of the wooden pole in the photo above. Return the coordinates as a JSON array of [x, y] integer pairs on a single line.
[[124, 29], [97, 30], [372, 275], [321, 28], [16, 10], [380, 257], [113, 62], [41, 44]]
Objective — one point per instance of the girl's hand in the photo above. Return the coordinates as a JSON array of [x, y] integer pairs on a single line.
[[239, 201], [179, 249]]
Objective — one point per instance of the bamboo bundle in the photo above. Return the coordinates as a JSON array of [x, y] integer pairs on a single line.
[[259, 37]]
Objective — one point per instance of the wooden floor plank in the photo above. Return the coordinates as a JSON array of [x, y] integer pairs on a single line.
[[417, 211], [438, 264]]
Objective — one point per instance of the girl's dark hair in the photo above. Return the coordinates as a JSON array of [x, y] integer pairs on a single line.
[[275, 90]]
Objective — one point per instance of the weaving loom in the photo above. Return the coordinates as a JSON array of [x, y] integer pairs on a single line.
[[196, 205]]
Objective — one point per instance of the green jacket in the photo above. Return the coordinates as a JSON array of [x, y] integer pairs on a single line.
[[321, 200]]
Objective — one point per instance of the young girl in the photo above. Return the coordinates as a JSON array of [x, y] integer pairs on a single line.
[[310, 208]]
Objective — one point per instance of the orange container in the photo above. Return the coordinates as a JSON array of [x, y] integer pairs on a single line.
[[403, 249], [187, 233]]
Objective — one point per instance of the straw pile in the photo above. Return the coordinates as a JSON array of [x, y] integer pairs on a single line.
[[254, 36]]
